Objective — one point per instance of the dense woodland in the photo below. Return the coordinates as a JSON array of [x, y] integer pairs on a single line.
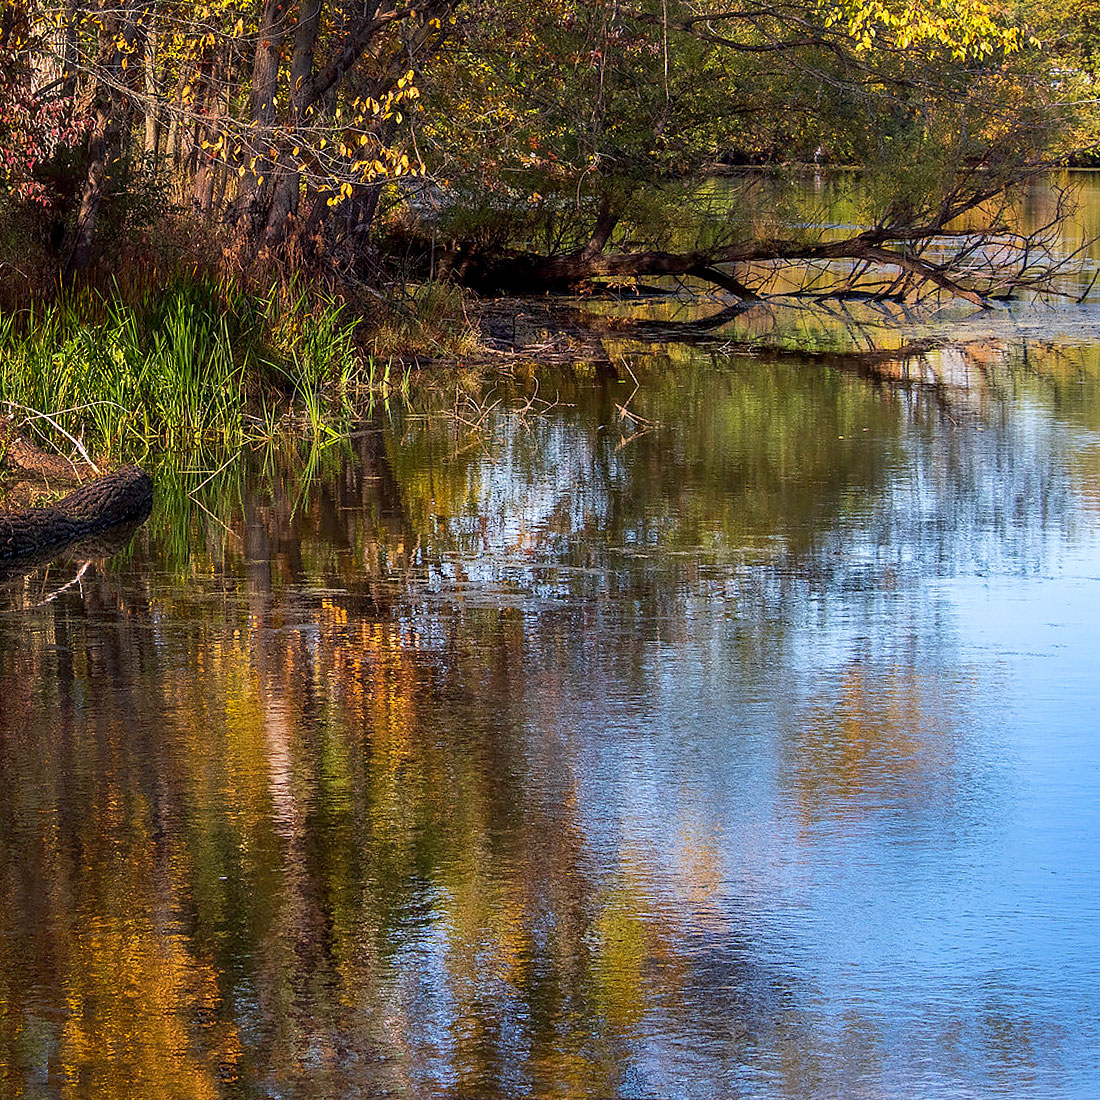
[[511, 146]]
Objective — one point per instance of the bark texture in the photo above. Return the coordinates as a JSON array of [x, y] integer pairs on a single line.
[[125, 496], [526, 273]]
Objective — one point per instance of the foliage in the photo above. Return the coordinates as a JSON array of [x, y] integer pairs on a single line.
[[592, 124], [244, 108], [1070, 37], [34, 123], [286, 127]]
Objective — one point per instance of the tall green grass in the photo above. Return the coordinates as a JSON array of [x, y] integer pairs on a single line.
[[183, 366]]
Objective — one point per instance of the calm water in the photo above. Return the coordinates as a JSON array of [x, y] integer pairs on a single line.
[[752, 755]]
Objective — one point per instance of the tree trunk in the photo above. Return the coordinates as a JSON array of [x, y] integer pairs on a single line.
[[206, 162], [152, 112], [256, 185], [95, 183], [172, 138], [286, 190], [513, 272]]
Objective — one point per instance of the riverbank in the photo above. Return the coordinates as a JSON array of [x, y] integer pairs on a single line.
[[200, 359]]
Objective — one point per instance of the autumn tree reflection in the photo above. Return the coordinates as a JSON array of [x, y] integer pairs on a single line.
[[371, 777]]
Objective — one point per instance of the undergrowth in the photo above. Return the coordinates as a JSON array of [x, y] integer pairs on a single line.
[[427, 320], [193, 362]]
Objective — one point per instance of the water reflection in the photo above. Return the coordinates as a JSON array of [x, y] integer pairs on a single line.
[[551, 761]]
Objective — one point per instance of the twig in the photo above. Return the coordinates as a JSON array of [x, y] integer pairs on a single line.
[[215, 518], [57, 428], [626, 412], [630, 438], [207, 480], [64, 588]]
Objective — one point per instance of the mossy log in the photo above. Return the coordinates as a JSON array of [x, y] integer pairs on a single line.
[[125, 496]]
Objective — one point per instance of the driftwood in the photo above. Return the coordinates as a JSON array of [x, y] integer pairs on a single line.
[[122, 497], [125, 496]]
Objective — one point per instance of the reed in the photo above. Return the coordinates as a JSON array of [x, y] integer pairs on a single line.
[[179, 366]]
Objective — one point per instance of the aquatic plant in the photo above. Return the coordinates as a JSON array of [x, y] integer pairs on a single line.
[[183, 365]]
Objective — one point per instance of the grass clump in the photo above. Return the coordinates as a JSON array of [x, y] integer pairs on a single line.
[[427, 321], [179, 366]]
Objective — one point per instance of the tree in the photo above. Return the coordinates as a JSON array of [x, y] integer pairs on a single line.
[[581, 107], [247, 109], [540, 145], [34, 120]]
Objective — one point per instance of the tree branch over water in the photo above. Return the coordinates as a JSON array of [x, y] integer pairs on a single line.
[[978, 264]]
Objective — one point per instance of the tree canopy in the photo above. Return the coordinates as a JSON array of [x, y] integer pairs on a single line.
[[533, 146]]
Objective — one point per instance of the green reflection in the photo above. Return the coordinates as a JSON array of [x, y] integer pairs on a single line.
[[297, 798]]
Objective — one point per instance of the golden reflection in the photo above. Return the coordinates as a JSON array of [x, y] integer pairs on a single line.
[[139, 1011], [270, 820], [624, 951], [882, 736]]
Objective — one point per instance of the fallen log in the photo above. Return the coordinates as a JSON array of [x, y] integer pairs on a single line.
[[125, 496]]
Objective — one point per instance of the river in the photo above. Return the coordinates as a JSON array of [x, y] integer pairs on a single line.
[[715, 725]]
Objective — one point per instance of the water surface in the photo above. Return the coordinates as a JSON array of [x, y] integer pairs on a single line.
[[744, 746]]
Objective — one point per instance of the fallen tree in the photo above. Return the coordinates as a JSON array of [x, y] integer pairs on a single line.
[[608, 153], [124, 496], [962, 249], [891, 269]]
